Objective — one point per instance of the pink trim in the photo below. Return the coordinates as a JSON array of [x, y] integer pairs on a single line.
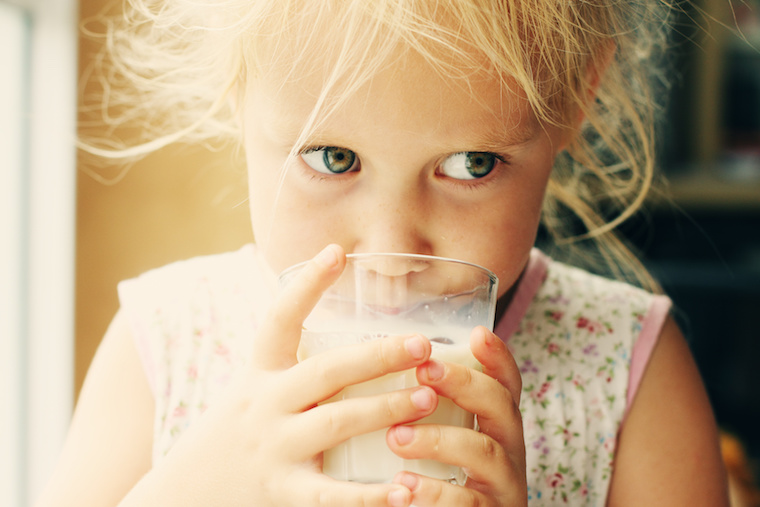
[[644, 346], [528, 286]]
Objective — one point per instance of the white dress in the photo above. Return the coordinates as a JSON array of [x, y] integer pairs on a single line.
[[581, 342]]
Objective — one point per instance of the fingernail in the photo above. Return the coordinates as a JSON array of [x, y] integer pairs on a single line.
[[435, 370], [489, 337], [485, 335], [327, 257], [415, 345], [398, 498], [404, 434], [408, 480], [423, 399]]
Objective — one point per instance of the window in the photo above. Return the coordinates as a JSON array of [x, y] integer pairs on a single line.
[[37, 190]]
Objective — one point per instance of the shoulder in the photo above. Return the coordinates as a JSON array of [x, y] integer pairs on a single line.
[[591, 289], [588, 333], [192, 322], [580, 306], [222, 282], [177, 278], [668, 450], [575, 347], [208, 301]]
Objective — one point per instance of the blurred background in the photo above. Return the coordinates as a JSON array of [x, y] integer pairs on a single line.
[[704, 244], [702, 241]]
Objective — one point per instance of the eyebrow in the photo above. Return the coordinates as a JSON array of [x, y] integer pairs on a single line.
[[285, 131], [505, 143], [506, 138]]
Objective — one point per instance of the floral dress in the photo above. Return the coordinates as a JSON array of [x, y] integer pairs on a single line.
[[581, 342]]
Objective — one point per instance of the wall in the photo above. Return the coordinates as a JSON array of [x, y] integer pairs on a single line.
[[175, 204]]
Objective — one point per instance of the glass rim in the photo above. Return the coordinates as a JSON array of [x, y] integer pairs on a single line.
[[421, 257]]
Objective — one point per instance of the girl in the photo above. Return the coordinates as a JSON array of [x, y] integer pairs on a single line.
[[443, 128]]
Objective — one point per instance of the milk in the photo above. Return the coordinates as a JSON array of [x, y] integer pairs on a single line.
[[367, 458]]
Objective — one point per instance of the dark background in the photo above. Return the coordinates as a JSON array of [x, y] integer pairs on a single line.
[[703, 244]]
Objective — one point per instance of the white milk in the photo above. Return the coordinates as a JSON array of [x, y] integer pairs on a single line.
[[367, 458]]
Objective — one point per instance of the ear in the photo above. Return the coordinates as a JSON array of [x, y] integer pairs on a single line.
[[595, 69], [235, 94], [235, 103], [598, 65]]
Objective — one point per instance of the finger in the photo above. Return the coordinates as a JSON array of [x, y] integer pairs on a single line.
[[333, 423], [427, 492], [497, 360], [322, 491], [277, 340], [322, 376], [482, 458], [498, 415]]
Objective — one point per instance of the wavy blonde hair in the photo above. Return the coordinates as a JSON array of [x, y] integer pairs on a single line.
[[172, 67]]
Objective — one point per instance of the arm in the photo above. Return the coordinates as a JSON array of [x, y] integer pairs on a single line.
[[108, 448], [668, 452], [260, 442]]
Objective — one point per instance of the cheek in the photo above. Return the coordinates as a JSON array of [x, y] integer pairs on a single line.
[[508, 245], [289, 227], [265, 194], [261, 193], [508, 234]]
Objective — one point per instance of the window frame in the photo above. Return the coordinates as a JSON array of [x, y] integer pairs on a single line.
[[37, 388]]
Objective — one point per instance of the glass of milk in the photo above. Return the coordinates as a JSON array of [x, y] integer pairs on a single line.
[[380, 295]]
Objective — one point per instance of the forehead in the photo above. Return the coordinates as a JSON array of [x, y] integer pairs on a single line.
[[307, 81], [405, 93]]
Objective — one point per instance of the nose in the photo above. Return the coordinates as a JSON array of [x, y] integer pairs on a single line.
[[390, 283], [393, 267], [394, 218]]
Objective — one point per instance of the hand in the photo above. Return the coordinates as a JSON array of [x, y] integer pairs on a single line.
[[262, 443], [494, 458]]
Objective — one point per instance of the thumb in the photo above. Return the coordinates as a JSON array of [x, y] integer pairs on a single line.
[[277, 340]]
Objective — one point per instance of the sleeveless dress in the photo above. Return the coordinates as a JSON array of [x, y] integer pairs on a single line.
[[581, 343]]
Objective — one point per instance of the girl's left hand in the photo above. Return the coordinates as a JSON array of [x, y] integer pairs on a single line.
[[494, 457]]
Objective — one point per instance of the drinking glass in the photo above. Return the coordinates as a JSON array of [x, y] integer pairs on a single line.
[[378, 295]]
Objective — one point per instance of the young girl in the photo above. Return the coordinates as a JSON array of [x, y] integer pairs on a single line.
[[444, 128]]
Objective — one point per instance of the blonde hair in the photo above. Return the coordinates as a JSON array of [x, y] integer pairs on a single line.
[[176, 67]]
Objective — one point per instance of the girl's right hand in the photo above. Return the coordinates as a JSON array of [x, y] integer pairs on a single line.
[[261, 443]]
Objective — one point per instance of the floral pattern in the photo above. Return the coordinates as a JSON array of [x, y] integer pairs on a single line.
[[573, 348], [194, 322]]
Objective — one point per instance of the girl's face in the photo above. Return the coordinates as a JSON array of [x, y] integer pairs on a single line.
[[413, 162]]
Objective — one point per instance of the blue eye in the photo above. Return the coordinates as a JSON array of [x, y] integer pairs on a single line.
[[469, 165], [330, 159]]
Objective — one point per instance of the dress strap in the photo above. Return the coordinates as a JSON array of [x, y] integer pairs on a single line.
[[651, 327], [530, 282]]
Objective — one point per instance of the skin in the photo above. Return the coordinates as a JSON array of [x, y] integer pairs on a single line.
[[399, 201], [266, 435]]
